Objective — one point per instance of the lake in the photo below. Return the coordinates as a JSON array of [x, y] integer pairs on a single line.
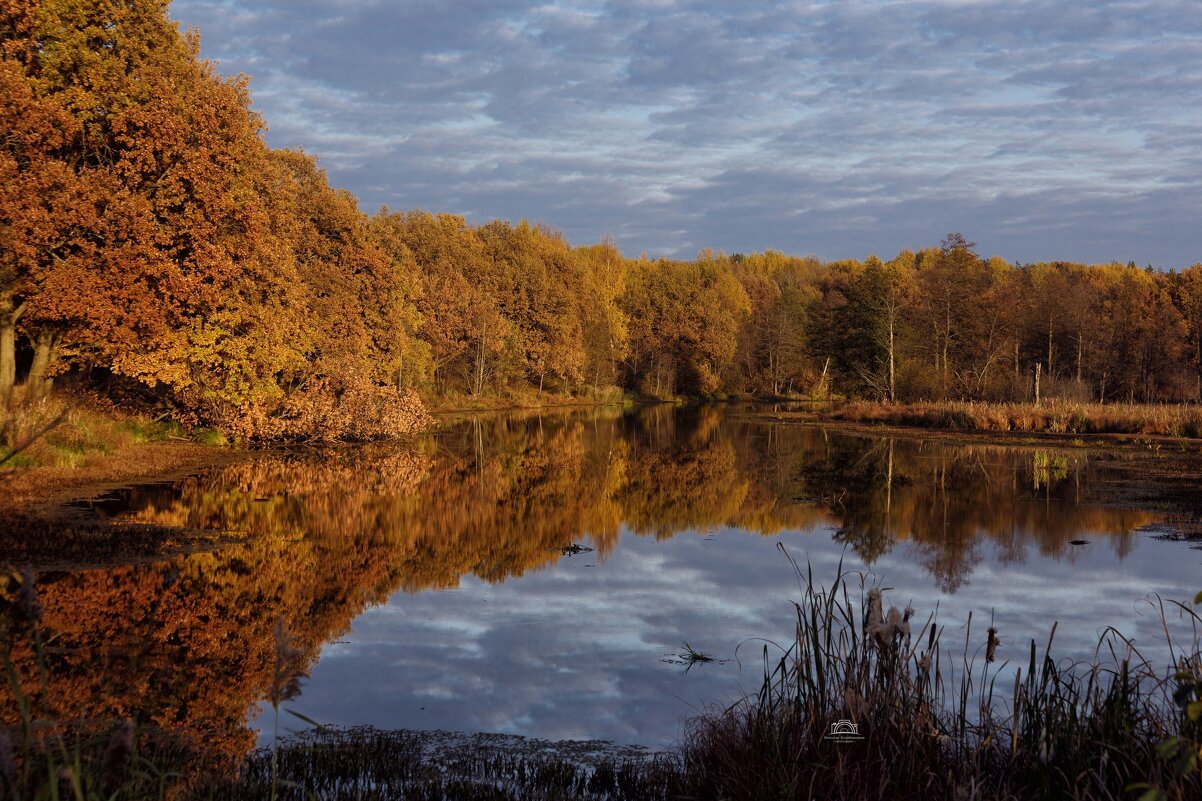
[[540, 574]]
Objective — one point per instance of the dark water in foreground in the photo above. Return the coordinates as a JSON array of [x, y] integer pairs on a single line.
[[427, 585]]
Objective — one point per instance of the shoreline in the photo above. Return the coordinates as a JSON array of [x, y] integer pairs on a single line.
[[44, 488], [1113, 441], [40, 525]]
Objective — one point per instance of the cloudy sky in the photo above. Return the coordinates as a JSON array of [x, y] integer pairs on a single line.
[[1039, 128]]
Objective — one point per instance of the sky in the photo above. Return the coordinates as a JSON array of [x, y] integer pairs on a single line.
[[1040, 129]]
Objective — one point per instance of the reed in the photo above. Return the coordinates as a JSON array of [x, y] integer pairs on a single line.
[[937, 722], [1050, 417]]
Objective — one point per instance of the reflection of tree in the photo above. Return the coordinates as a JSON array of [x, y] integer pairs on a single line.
[[317, 535], [948, 499], [187, 645]]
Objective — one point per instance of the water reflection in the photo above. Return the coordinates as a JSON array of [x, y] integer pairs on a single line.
[[683, 509]]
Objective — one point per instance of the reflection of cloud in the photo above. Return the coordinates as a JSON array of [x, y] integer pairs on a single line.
[[832, 128], [574, 652]]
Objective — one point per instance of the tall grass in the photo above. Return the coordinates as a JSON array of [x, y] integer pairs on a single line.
[[938, 722], [1050, 417]]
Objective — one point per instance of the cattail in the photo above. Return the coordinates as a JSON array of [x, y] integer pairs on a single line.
[[992, 644], [893, 628], [875, 615], [894, 620]]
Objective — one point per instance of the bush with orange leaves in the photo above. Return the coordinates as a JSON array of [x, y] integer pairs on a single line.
[[325, 410]]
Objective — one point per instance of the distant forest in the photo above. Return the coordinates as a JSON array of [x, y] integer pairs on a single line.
[[148, 235]]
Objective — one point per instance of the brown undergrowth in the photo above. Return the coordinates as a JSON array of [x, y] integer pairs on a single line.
[[1052, 417]]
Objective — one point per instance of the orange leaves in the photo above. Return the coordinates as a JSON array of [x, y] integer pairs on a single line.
[[149, 226]]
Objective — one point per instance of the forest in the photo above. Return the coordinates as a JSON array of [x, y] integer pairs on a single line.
[[154, 246]]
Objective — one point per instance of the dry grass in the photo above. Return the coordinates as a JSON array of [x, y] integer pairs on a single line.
[[68, 431], [1052, 417], [949, 723]]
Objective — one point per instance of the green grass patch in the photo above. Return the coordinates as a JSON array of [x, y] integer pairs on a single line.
[[65, 432]]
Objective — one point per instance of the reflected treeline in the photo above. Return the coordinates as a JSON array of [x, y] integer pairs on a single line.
[[496, 496], [949, 500], [318, 535]]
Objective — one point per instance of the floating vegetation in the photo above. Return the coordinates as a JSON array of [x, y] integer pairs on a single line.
[[370, 763], [690, 657], [573, 549]]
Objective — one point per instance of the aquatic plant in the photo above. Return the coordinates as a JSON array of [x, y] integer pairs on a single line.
[[933, 722]]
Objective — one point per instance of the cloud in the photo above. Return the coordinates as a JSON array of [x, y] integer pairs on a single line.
[[812, 127]]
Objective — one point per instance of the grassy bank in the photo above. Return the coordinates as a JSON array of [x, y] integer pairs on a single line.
[[71, 430], [72, 447], [927, 721], [1052, 417]]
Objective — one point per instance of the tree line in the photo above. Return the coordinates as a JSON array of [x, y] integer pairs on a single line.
[[148, 234]]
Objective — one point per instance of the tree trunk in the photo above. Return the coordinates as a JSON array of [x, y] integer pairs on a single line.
[[1038, 370], [479, 368], [1080, 349], [826, 366], [892, 383], [10, 313], [37, 385], [947, 335], [1050, 368]]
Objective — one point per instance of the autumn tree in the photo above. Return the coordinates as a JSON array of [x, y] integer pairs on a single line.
[[164, 246], [684, 320], [603, 323], [1187, 295], [881, 295], [772, 350]]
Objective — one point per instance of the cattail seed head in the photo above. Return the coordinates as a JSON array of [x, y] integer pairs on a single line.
[[991, 645]]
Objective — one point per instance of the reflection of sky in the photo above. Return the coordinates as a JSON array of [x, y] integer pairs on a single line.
[[575, 651]]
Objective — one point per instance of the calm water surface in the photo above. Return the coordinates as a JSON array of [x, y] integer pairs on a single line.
[[428, 587]]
